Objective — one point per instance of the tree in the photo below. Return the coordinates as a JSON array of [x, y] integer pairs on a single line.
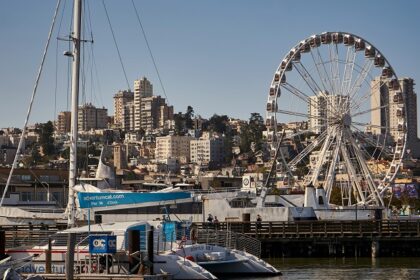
[[256, 128], [218, 123], [188, 117], [252, 133], [179, 123], [46, 140], [35, 156]]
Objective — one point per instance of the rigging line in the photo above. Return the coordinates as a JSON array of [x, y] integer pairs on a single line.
[[22, 137], [116, 45], [150, 50], [69, 60], [89, 20], [56, 60]]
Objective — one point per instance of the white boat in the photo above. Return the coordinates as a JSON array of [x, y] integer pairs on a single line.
[[177, 266], [221, 261], [9, 266]]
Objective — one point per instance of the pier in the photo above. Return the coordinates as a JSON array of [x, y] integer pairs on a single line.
[[367, 238], [373, 238]]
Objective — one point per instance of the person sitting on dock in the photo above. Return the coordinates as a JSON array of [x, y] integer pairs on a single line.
[[210, 218]]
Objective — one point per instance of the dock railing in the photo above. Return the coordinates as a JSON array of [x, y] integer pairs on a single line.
[[300, 229]]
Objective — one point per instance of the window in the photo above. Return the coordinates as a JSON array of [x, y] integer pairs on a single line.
[[25, 177], [41, 196], [25, 196], [58, 197]]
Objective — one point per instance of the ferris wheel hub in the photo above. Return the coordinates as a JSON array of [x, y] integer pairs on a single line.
[[346, 120]]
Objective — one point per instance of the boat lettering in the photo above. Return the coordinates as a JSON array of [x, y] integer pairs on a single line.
[[40, 268]]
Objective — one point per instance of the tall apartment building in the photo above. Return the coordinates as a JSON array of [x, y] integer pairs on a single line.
[[121, 99], [154, 113], [324, 109], [142, 89], [207, 150], [63, 122], [384, 121], [175, 147], [128, 117], [90, 117]]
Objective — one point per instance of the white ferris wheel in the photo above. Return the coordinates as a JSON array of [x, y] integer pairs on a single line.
[[336, 118]]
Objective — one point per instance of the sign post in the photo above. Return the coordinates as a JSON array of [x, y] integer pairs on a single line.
[[104, 245]]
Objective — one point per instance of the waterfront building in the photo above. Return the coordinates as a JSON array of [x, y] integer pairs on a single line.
[[121, 99], [63, 124], [173, 146], [90, 117]]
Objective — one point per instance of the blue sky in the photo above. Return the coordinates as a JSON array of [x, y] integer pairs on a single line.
[[217, 56]]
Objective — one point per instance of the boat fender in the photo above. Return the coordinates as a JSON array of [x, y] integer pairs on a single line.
[[190, 258]]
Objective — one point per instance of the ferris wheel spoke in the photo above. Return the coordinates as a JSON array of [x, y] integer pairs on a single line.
[[334, 68], [365, 172], [369, 111], [356, 104], [363, 73], [301, 132], [296, 92], [301, 95], [331, 170], [309, 80], [308, 149], [353, 176], [372, 142], [322, 156], [369, 125], [311, 83], [297, 114], [348, 70], [320, 67]]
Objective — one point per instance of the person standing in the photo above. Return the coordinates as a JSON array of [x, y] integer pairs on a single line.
[[259, 220], [216, 222]]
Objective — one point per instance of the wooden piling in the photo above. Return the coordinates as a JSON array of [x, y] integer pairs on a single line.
[[375, 249], [133, 246], [71, 244], [150, 249], [48, 257], [2, 244]]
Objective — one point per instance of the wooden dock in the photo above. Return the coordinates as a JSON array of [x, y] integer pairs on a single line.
[[330, 238]]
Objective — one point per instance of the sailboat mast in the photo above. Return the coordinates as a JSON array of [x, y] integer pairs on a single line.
[[77, 18]]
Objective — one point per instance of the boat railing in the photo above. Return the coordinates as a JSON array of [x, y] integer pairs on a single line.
[[229, 239], [22, 237]]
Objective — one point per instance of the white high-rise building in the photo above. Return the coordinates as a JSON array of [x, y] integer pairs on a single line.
[[121, 99], [142, 88], [128, 117], [389, 122], [325, 109]]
